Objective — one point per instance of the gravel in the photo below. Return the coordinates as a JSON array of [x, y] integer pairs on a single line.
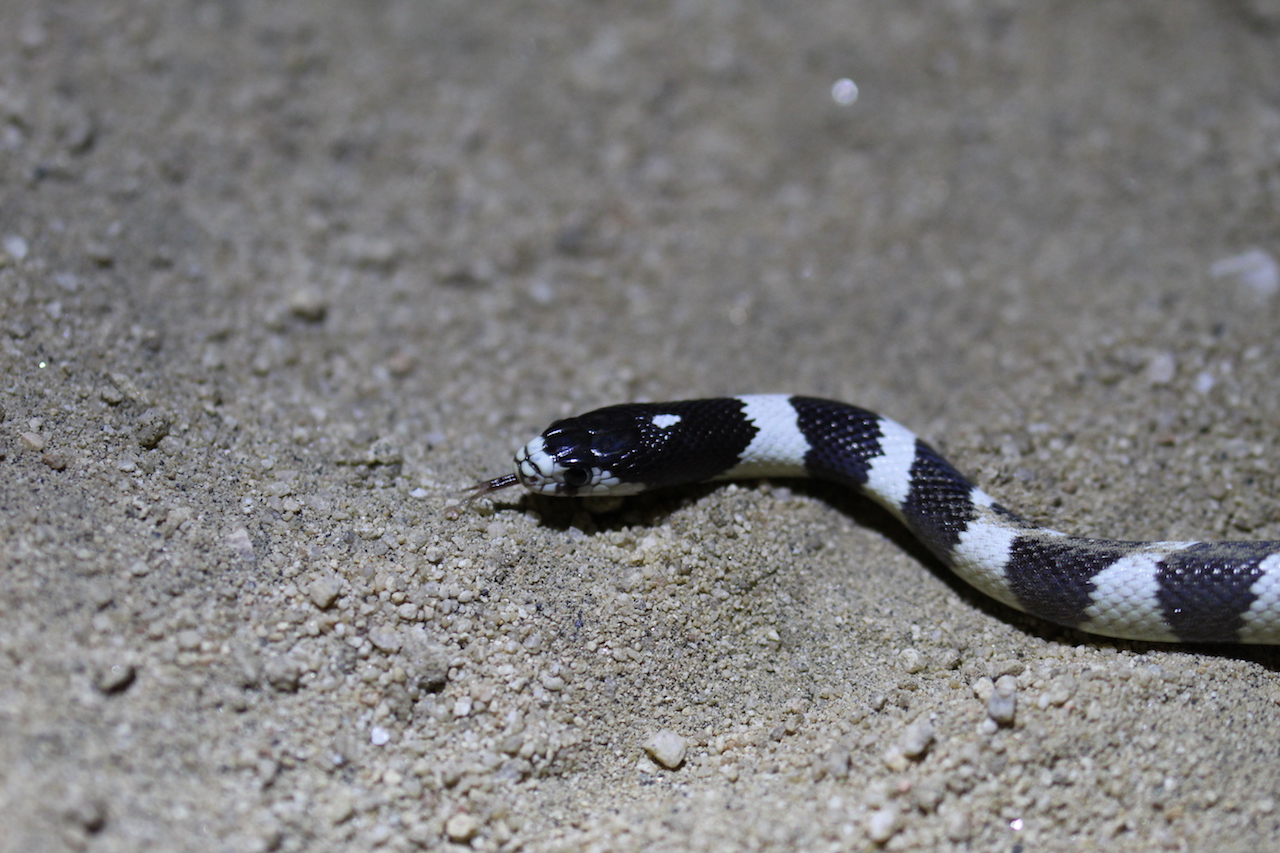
[[277, 280]]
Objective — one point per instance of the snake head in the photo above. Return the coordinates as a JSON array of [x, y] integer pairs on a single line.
[[579, 456]]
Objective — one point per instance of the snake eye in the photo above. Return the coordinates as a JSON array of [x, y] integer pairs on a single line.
[[576, 477]]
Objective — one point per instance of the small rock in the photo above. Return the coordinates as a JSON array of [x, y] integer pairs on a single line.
[[383, 452], [174, 519], [115, 677], [338, 810], [946, 658], [1255, 270], [308, 304], [33, 441], [838, 762], [89, 813], [239, 541], [55, 460], [385, 640], [111, 395], [283, 674], [430, 667], [15, 247], [667, 748], [127, 387], [1003, 703], [461, 827], [324, 592], [882, 824], [1162, 368], [918, 737], [1060, 690], [152, 426]]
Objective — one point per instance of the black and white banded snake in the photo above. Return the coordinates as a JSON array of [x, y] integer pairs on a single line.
[[1207, 592]]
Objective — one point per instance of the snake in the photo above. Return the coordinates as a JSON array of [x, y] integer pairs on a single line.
[[1166, 592]]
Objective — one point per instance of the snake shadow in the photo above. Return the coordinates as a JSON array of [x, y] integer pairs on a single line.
[[651, 509]]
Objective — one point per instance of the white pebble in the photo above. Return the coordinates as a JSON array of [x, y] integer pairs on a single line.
[[844, 92], [1162, 368], [461, 827], [385, 640], [378, 736], [324, 592], [667, 748], [15, 247], [882, 824], [1255, 269], [917, 738], [1004, 701]]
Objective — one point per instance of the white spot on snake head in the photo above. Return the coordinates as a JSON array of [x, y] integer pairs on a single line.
[[541, 473], [665, 421], [535, 467]]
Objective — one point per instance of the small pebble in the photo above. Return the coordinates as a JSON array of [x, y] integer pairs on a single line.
[[1162, 368], [385, 640], [283, 674], [152, 426], [87, 812], [15, 247], [378, 736], [1003, 702], [461, 827], [882, 824], [338, 810], [239, 541], [918, 737], [667, 748], [911, 660], [115, 678], [1255, 269], [55, 460], [324, 592], [308, 304], [1060, 690], [111, 395], [33, 441]]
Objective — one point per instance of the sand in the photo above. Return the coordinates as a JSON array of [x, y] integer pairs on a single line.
[[277, 279]]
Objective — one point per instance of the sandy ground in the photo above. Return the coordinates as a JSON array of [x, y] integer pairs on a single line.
[[277, 277]]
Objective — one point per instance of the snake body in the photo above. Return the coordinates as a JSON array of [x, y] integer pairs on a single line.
[[1203, 592]]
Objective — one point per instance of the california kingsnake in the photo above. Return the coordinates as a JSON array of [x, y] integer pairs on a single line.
[[1205, 592]]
